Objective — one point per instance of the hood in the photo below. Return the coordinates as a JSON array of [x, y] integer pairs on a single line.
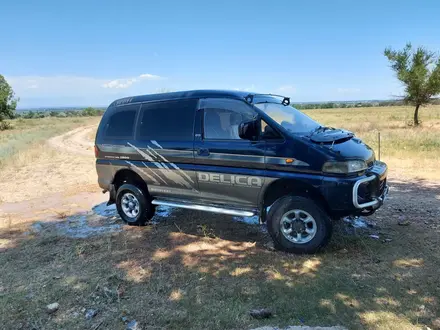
[[330, 135], [342, 144]]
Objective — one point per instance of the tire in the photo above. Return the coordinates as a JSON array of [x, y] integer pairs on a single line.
[[140, 211], [301, 216]]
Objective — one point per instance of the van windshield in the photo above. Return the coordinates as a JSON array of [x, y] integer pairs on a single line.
[[289, 117]]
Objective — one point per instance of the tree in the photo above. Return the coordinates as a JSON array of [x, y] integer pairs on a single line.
[[89, 111], [419, 71], [7, 101]]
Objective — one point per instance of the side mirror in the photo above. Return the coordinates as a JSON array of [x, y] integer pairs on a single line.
[[248, 130]]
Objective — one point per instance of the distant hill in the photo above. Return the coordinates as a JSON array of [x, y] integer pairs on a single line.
[[57, 109]]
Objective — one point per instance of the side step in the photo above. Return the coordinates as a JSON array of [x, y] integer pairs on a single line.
[[207, 208]]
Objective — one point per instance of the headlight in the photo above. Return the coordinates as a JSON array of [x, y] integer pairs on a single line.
[[350, 166]]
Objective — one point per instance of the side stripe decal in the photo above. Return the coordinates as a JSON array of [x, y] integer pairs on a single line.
[[163, 172]]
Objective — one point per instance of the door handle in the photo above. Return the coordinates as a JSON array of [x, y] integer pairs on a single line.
[[203, 152]]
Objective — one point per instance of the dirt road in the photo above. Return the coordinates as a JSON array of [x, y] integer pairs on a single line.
[[52, 178], [77, 141]]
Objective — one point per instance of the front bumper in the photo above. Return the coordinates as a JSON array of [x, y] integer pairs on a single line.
[[376, 201], [357, 195]]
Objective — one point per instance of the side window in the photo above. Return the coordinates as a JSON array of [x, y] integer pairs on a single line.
[[168, 120], [223, 116], [120, 125], [268, 133]]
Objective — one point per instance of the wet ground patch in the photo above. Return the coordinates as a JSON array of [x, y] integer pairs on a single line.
[[101, 220]]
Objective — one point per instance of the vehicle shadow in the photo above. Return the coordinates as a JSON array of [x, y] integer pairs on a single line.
[[196, 270]]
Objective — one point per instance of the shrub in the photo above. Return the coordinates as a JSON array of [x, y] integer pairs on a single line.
[[29, 115], [4, 125]]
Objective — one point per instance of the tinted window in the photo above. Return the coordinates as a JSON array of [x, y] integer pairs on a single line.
[[223, 116], [121, 123], [170, 120], [267, 132]]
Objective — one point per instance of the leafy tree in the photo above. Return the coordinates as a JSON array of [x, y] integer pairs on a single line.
[[419, 71], [89, 111], [7, 101]]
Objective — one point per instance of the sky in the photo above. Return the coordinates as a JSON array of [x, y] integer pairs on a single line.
[[89, 53]]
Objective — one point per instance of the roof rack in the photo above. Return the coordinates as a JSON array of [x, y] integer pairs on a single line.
[[250, 98]]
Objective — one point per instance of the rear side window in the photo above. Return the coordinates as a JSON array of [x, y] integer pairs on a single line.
[[120, 125], [167, 121]]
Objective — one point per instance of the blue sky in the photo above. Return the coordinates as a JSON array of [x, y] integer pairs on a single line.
[[82, 53]]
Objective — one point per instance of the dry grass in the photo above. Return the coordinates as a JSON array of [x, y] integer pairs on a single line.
[[409, 151]]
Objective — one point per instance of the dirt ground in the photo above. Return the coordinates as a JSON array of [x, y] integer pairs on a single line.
[[60, 243], [64, 165]]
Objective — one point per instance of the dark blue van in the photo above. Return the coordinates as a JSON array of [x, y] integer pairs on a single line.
[[236, 153]]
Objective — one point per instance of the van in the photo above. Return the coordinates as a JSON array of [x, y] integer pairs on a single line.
[[236, 153]]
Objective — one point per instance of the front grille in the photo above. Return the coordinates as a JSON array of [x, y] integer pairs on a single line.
[[382, 185], [369, 190]]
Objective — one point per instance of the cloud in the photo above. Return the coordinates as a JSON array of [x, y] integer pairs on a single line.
[[127, 82], [287, 89], [349, 90], [36, 91], [246, 89]]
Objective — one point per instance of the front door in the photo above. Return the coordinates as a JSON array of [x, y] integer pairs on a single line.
[[229, 169]]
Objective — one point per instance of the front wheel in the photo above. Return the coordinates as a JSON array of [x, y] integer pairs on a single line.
[[297, 224]]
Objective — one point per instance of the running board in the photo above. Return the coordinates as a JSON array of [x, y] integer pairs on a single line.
[[212, 209]]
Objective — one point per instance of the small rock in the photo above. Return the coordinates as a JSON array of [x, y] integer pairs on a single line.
[[374, 236], [270, 246], [133, 325], [403, 222], [387, 240], [52, 308], [263, 313], [91, 313], [56, 277]]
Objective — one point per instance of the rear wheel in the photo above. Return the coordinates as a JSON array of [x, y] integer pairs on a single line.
[[297, 224], [134, 205]]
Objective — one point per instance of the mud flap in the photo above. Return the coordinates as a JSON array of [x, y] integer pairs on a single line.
[[112, 194]]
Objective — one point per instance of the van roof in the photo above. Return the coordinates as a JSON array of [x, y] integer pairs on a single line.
[[180, 95]]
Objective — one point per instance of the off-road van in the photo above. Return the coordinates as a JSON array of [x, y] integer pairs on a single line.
[[236, 153]]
